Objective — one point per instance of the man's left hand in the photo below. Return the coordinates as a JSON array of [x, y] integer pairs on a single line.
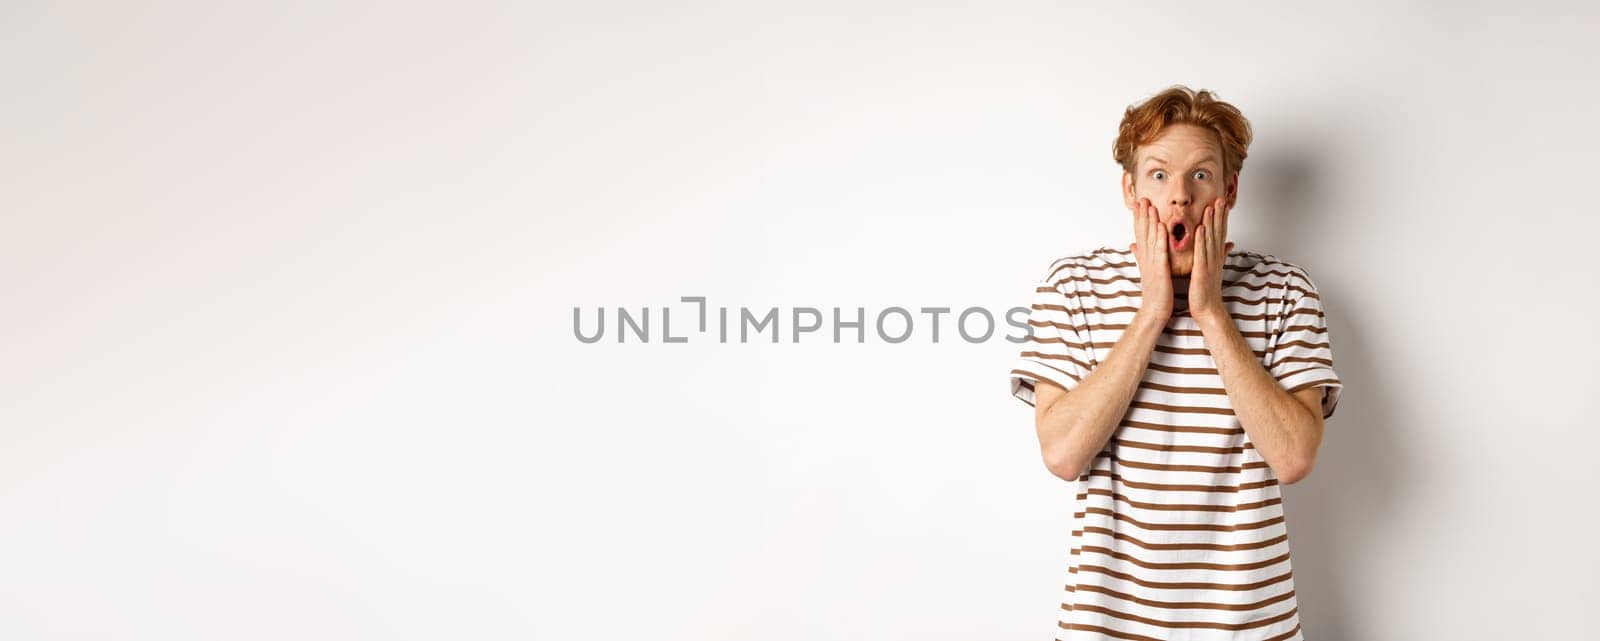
[[1210, 253]]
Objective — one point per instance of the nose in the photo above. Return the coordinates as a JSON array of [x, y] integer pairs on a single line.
[[1180, 196], [1180, 200]]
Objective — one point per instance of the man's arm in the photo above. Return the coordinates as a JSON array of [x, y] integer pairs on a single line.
[[1074, 426], [1286, 428]]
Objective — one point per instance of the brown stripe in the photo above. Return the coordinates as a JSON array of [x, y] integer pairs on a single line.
[[1314, 329], [1205, 527], [1185, 585], [1323, 345], [1177, 429], [1221, 567], [1285, 286], [1166, 364], [1310, 384], [1186, 604], [1189, 409], [1306, 359], [1303, 369], [1110, 632], [1175, 605], [1180, 487], [1216, 547], [1288, 285], [1173, 331], [1168, 467], [1132, 309], [1103, 254], [1313, 312], [1199, 351], [1123, 327], [1238, 273], [1174, 369], [1225, 297], [1177, 507], [1177, 331], [1173, 447], [1065, 373], [1183, 429], [1059, 357], [1178, 389]]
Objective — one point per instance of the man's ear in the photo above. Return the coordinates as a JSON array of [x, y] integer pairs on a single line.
[[1233, 190], [1128, 194]]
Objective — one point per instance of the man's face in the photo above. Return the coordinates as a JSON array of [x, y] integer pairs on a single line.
[[1180, 172]]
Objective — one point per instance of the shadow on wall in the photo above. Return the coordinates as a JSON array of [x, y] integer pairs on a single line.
[[1337, 515]]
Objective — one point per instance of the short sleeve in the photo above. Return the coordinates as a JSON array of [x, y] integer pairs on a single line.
[[1301, 351], [1057, 347]]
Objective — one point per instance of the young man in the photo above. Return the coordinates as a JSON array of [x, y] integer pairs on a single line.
[[1176, 384]]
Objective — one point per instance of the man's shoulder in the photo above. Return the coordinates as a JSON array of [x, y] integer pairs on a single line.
[[1259, 265], [1099, 257]]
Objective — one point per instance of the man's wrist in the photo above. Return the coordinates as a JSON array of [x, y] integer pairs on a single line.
[[1213, 322], [1148, 319]]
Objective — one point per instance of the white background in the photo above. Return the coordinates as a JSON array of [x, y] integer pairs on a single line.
[[288, 295]]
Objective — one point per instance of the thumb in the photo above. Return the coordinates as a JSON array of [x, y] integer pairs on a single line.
[[1134, 247], [1230, 246]]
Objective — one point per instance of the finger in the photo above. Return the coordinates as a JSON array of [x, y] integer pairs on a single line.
[[1144, 227], [1221, 230], [1144, 222], [1138, 220], [1227, 212], [1222, 212], [1211, 232], [1138, 223], [1150, 222], [1152, 227], [1161, 247]]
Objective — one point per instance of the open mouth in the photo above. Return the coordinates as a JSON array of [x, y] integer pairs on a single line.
[[1180, 237]]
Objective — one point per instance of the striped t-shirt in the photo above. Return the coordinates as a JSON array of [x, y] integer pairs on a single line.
[[1178, 524]]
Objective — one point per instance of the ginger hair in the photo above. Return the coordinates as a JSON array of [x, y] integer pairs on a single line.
[[1144, 122]]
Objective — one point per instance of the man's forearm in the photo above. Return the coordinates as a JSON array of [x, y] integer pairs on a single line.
[[1285, 432], [1075, 428]]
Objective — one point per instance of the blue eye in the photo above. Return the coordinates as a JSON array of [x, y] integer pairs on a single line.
[[1198, 173], [1158, 174]]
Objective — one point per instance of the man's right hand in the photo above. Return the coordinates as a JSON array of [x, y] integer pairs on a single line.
[[1155, 268]]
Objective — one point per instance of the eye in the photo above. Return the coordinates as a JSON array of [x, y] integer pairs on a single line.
[[1158, 174], [1201, 175]]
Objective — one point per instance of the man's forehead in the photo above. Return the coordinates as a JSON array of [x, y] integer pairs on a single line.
[[1165, 156], [1180, 142]]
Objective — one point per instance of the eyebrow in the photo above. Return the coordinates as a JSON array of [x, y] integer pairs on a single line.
[[1208, 158]]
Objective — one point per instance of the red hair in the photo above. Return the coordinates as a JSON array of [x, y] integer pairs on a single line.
[[1176, 105]]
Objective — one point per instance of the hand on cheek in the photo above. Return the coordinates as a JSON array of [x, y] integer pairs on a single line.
[[1210, 254], [1155, 262]]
